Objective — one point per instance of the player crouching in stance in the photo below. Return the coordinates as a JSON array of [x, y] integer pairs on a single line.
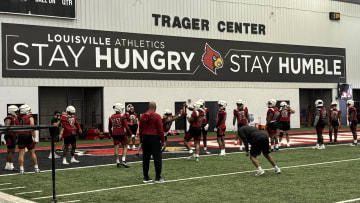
[[11, 120], [259, 144], [26, 139], [271, 116], [118, 129], [285, 112], [352, 120], [204, 124], [69, 124], [221, 127], [242, 118], [334, 121], [319, 123], [195, 121]]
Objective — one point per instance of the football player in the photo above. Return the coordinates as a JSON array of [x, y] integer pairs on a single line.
[[271, 116], [334, 121], [221, 126], [320, 122], [284, 117], [26, 139], [204, 125], [132, 121], [241, 118], [352, 120], [118, 129], [11, 120], [70, 126], [195, 121], [168, 120]]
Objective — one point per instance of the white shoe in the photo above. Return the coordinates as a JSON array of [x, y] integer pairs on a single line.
[[128, 146], [235, 143], [56, 156], [133, 147], [259, 172], [7, 167], [191, 156], [322, 146], [37, 170], [288, 145], [277, 171], [65, 162], [22, 172], [316, 147], [241, 149], [73, 160]]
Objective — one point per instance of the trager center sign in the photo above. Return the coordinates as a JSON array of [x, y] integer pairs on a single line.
[[52, 52]]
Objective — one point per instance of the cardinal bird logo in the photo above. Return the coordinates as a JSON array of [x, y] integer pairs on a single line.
[[211, 59]]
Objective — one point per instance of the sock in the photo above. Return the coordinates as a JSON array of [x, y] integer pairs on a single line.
[[355, 141], [277, 146], [272, 146], [259, 168], [276, 167], [36, 166], [197, 155], [123, 158], [205, 148], [72, 157], [117, 161], [11, 165], [190, 151], [133, 146], [21, 168], [7, 165]]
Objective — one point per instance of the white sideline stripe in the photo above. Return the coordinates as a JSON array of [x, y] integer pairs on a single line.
[[5, 183], [351, 200], [192, 178], [71, 201], [22, 193], [6, 198], [13, 188], [94, 166]]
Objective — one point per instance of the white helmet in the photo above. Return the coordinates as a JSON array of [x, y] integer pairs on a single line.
[[350, 103], [12, 109], [118, 107], [334, 103], [239, 101], [222, 104], [129, 107], [319, 103], [197, 106], [271, 103], [167, 112], [25, 109], [283, 104], [70, 109]]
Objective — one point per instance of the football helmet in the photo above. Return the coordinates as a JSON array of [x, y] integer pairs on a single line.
[[70, 110], [222, 104], [25, 109], [12, 109], [197, 106], [240, 102], [350, 103], [319, 103], [283, 104], [271, 103], [118, 107], [334, 103], [129, 107], [167, 112]]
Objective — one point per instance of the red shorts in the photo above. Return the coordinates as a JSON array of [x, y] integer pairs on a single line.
[[10, 141], [26, 141], [122, 139], [194, 132], [220, 132]]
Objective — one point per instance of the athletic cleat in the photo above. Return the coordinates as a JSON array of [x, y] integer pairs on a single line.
[[191, 156], [207, 152], [161, 180], [65, 162], [197, 159], [124, 164], [22, 172], [37, 170], [13, 169], [259, 172], [55, 157], [276, 149], [277, 171], [322, 146], [147, 180], [118, 165], [7, 168], [316, 147], [353, 145], [133, 147], [288, 145], [74, 161]]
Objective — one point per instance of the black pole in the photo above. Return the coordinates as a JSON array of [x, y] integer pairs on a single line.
[[53, 163]]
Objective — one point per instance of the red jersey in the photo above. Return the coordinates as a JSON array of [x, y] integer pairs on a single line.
[[352, 110], [166, 125], [151, 124], [118, 124], [321, 112], [272, 111], [13, 121], [198, 117], [69, 123], [206, 114], [334, 114], [130, 118], [220, 120], [284, 114], [25, 120], [241, 115]]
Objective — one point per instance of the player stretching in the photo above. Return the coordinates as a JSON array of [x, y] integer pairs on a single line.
[[271, 116], [242, 118], [221, 126], [352, 120], [195, 121], [285, 112], [334, 121], [319, 123]]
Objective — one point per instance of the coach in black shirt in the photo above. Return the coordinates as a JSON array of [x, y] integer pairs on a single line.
[[259, 144]]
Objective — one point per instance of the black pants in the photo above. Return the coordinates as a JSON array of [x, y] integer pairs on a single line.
[[151, 146]]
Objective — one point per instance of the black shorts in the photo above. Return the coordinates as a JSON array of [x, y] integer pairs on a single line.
[[26, 141], [321, 124], [220, 132], [122, 139], [334, 123], [194, 132], [70, 140], [271, 128], [133, 129], [284, 125], [10, 141], [260, 146], [353, 124]]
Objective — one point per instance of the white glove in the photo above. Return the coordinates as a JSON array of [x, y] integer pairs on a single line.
[[36, 139], [3, 139], [132, 135], [235, 129], [206, 127], [215, 129]]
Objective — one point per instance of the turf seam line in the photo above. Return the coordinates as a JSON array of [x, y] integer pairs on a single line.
[[13, 188], [22, 193], [5, 183], [192, 178], [350, 200]]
